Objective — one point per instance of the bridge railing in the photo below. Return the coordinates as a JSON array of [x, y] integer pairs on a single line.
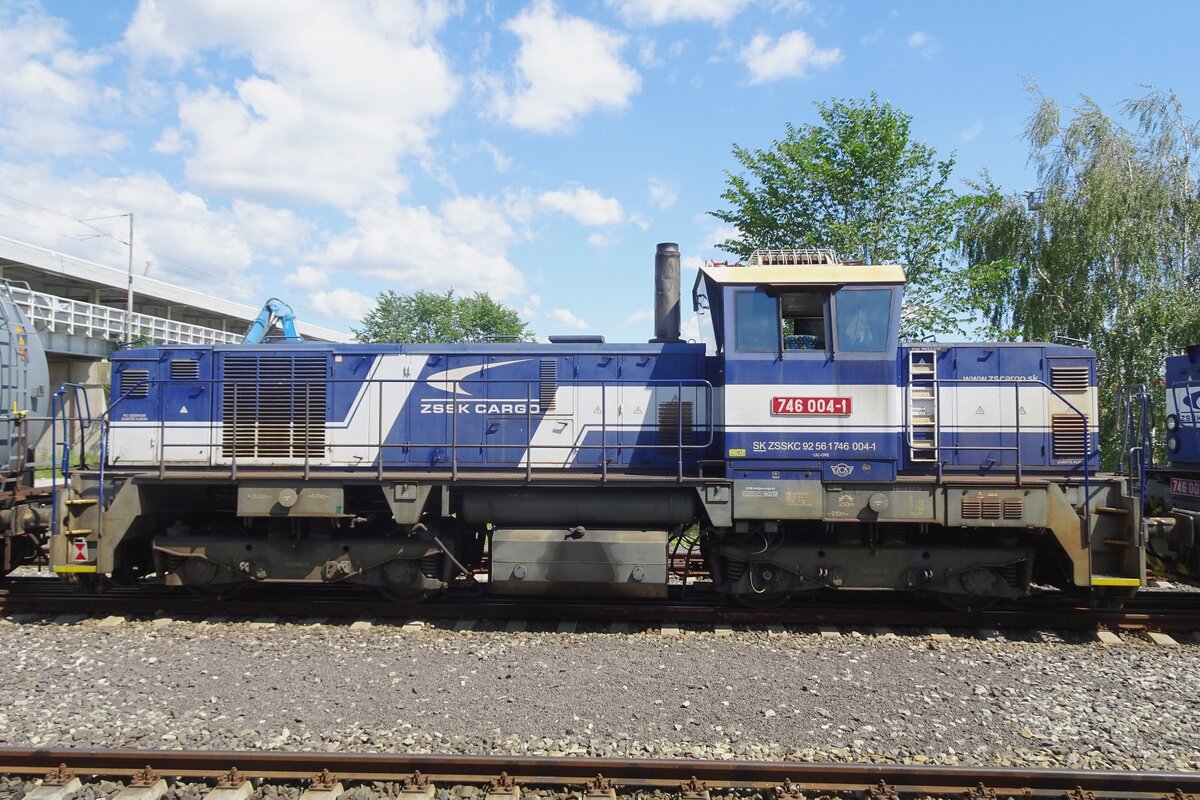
[[63, 315]]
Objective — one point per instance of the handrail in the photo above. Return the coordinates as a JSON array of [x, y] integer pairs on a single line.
[[453, 444], [58, 402], [1017, 383]]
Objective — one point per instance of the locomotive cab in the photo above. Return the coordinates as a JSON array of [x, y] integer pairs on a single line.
[[808, 349]]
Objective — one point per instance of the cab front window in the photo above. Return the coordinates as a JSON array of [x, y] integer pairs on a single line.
[[864, 317], [757, 322]]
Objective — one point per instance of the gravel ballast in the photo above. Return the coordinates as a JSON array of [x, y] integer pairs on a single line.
[[750, 695]]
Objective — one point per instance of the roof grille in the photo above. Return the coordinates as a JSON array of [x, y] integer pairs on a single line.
[[135, 383], [274, 406], [185, 369], [1068, 434], [1069, 379], [797, 257]]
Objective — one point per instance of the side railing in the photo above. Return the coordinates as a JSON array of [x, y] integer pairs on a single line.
[[456, 404], [60, 438], [1084, 464], [64, 315]]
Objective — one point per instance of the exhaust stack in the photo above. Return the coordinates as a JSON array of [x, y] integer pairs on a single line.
[[666, 293]]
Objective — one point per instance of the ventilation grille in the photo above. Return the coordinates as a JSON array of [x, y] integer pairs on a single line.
[[979, 507], [1068, 435], [674, 419], [135, 383], [547, 383], [274, 406], [1069, 379], [185, 369], [1014, 508]]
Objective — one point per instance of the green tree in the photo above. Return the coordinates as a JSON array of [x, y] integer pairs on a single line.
[[440, 317], [1105, 251], [857, 183]]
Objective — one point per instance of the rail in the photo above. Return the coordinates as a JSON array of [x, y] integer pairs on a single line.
[[60, 314], [597, 776]]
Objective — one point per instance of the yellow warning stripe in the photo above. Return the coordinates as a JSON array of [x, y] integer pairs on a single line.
[[1106, 581], [73, 568]]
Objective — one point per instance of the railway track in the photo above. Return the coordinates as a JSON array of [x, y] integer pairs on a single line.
[[1158, 611], [146, 773]]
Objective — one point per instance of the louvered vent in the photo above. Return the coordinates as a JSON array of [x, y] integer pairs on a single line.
[[135, 383], [547, 383], [1014, 508], [1068, 434], [274, 406], [1069, 379], [185, 369], [674, 419], [980, 507]]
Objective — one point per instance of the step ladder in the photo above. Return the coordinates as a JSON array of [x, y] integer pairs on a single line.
[[922, 406]]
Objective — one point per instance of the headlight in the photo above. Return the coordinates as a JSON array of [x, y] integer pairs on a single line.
[[1172, 422], [1172, 443]]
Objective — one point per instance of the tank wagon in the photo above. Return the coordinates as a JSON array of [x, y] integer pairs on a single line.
[[808, 446], [25, 412]]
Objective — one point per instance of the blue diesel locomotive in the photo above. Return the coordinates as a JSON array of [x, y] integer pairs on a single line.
[[804, 446]]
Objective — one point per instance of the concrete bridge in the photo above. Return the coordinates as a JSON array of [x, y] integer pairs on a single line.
[[77, 308]]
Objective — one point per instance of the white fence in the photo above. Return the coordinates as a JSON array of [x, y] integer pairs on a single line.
[[61, 315]]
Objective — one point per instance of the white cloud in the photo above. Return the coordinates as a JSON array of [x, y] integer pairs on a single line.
[[566, 67], [532, 308], [49, 98], [339, 93], [872, 37], [972, 131], [691, 263], [565, 318], [186, 240], [599, 239], [662, 194], [641, 315], [411, 247], [342, 302], [306, 277], [658, 12], [585, 206], [499, 160], [790, 56], [922, 42]]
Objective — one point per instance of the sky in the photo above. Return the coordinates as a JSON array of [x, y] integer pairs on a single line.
[[536, 150]]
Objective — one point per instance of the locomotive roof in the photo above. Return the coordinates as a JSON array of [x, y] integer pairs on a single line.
[[807, 274]]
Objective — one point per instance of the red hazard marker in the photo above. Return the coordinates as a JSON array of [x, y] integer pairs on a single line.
[[79, 550]]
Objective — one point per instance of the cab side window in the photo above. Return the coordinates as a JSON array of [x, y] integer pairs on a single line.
[[757, 322], [864, 318], [803, 320]]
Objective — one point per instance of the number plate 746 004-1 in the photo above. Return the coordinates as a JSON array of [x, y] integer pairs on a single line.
[[836, 406]]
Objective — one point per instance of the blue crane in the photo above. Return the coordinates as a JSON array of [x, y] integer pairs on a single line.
[[274, 310]]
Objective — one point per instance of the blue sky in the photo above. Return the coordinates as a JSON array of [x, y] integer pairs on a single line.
[[322, 152]]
